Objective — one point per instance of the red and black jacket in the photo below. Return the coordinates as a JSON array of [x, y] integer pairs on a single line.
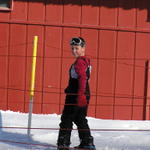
[[79, 75]]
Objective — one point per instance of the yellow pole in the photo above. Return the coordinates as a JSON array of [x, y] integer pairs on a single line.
[[33, 66], [32, 82]]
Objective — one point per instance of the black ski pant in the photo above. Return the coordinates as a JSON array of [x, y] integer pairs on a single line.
[[73, 114]]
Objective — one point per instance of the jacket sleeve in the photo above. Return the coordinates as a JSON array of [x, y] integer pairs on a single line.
[[80, 68]]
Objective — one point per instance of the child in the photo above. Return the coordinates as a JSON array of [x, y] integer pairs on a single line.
[[77, 100]]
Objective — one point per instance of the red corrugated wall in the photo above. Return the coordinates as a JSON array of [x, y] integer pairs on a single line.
[[117, 34]]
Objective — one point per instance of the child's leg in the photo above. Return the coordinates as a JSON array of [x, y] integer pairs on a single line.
[[84, 130], [82, 123], [65, 130], [66, 125]]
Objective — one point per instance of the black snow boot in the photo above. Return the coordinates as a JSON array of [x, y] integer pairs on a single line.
[[87, 144], [63, 143]]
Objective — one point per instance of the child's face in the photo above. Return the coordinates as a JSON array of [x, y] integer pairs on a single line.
[[78, 50]]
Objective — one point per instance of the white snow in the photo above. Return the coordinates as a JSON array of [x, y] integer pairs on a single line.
[[45, 139]]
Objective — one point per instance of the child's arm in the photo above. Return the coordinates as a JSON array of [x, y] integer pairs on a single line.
[[80, 68]]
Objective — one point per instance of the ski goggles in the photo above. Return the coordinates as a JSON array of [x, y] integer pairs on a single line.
[[76, 41]]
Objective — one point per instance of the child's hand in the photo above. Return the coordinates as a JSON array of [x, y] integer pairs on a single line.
[[82, 102]]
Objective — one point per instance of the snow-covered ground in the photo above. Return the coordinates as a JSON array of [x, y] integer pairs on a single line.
[[45, 139]]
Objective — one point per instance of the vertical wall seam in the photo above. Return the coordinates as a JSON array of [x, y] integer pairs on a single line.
[[43, 61], [134, 62], [43, 69], [28, 10], [136, 14], [61, 57], [25, 68], [133, 86], [8, 61], [27, 27], [97, 78], [115, 68], [117, 13], [81, 17], [98, 64], [26, 60], [115, 73], [81, 11], [61, 63], [63, 8], [99, 23]]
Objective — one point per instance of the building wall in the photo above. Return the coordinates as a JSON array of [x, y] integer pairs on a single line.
[[117, 35]]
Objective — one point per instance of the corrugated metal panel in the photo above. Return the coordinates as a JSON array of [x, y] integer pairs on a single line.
[[124, 75], [54, 12], [36, 12], [127, 14], [52, 69], [16, 67], [20, 11], [90, 14], [4, 39], [142, 55], [72, 13], [106, 74], [108, 15]]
